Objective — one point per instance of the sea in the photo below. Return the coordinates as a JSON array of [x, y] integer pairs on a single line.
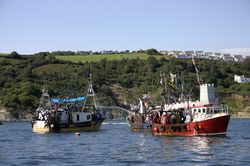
[[116, 145]]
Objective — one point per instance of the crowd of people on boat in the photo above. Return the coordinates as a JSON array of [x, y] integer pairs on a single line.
[[161, 117], [54, 115]]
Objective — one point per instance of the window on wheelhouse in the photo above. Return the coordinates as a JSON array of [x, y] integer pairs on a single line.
[[216, 111], [199, 110], [208, 111], [77, 117], [204, 110]]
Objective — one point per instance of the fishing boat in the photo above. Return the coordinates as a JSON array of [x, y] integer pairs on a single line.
[[141, 119], [198, 118], [204, 117], [61, 115]]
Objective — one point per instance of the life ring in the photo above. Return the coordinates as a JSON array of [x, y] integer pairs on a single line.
[[196, 127], [162, 128]]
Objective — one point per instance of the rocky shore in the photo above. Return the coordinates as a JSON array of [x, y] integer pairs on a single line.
[[5, 116], [241, 115]]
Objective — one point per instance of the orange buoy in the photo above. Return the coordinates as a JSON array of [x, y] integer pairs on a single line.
[[156, 130], [77, 133]]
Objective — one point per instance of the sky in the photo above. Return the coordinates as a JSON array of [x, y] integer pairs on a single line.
[[31, 26]]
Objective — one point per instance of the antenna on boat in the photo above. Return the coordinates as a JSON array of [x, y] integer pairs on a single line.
[[197, 71]]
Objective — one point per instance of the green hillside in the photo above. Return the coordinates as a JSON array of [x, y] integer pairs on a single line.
[[3, 54], [115, 81], [96, 58]]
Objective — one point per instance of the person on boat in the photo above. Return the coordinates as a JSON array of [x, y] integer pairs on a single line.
[[56, 107], [155, 118], [94, 115], [164, 118], [147, 119], [172, 118], [181, 115], [188, 118], [40, 116]]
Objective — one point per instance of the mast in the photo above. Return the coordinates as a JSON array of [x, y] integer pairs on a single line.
[[182, 89], [197, 72], [45, 98], [165, 88], [91, 94]]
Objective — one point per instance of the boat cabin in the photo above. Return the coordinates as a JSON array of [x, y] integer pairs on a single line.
[[80, 117], [200, 113]]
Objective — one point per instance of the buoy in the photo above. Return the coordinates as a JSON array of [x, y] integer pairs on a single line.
[[156, 130], [77, 133]]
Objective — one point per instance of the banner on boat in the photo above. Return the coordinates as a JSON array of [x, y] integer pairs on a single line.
[[78, 99]]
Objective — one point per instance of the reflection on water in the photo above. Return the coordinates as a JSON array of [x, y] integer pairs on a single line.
[[190, 149], [142, 147]]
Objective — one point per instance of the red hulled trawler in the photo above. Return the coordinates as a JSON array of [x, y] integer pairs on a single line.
[[205, 117]]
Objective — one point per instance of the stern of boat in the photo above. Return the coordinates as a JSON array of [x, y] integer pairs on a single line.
[[41, 127]]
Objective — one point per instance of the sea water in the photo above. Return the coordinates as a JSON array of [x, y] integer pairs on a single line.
[[115, 145]]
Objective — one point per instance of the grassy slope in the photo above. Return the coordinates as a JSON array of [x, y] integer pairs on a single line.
[[95, 58], [3, 54], [51, 69]]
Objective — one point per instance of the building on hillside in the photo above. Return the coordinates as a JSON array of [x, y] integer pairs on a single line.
[[227, 58], [182, 56], [174, 53], [241, 79], [216, 56], [238, 58], [164, 52], [199, 54], [207, 55], [189, 53]]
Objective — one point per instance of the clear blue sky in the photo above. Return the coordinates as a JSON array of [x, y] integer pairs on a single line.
[[29, 26]]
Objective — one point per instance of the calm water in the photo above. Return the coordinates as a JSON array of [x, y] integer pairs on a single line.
[[116, 145]]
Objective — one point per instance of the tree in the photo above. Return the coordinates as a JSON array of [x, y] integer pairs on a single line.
[[152, 61], [15, 55], [152, 51], [246, 64]]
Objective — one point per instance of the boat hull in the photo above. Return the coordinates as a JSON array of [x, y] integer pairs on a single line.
[[137, 126], [137, 123], [42, 127], [209, 127]]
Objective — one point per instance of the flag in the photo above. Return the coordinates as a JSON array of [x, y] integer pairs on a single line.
[[172, 77], [161, 80]]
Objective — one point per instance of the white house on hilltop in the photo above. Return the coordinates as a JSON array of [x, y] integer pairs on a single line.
[[241, 79], [238, 58], [228, 58], [203, 55]]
